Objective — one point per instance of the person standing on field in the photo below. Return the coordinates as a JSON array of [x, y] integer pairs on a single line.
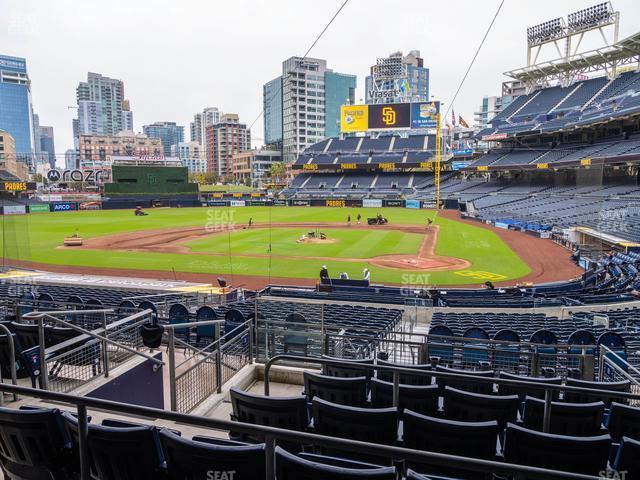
[[358, 218], [348, 220]]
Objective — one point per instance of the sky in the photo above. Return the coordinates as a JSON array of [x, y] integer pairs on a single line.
[[176, 58]]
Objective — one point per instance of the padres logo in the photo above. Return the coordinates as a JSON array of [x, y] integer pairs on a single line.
[[388, 115]]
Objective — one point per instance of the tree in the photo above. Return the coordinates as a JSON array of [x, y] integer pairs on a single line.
[[278, 172]]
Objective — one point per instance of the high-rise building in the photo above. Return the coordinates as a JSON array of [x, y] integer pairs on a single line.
[[168, 132], [398, 78], [16, 111], [493, 105], [191, 154], [10, 168], [127, 117], [195, 129], [307, 83], [272, 116], [208, 116], [71, 159], [98, 148], [47, 145], [224, 139], [100, 101], [254, 165]]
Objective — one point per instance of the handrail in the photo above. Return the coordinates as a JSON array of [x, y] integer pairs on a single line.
[[548, 388], [12, 363], [611, 353], [425, 336], [271, 434], [441, 374], [42, 315]]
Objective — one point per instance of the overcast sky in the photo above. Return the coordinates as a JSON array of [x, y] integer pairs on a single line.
[[176, 57]]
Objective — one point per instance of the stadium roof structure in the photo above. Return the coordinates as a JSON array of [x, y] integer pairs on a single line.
[[611, 57]]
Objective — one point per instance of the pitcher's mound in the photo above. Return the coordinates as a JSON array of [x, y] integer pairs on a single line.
[[413, 262], [316, 240]]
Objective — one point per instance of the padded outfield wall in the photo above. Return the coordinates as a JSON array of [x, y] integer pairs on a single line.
[[146, 180]]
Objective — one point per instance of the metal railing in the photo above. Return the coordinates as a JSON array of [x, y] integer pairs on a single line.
[[613, 368], [273, 435], [90, 354], [205, 370], [548, 388]]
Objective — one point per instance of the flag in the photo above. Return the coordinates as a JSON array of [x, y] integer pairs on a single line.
[[453, 117], [449, 128], [461, 122]]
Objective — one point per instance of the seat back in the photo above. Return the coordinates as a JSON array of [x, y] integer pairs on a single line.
[[27, 334], [343, 391], [580, 397], [524, 391], [348, 369], [293, 467], [586, 455], [623, 421], [576, 419], [418, 398], [281, 412], [377, 425], [476, 387], [440, 347], [5, 355], [124, 453], [32, 442], [475, 407], [192, 459], [467, 439], [206, 331], [405, 378], [628, 458]]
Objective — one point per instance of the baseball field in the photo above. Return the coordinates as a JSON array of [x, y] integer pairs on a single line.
[[280, 245]]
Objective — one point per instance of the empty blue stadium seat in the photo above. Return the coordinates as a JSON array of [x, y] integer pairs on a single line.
[[586, 455], [293, 467]]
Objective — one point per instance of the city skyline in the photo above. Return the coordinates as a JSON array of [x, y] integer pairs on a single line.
[[424, 31]]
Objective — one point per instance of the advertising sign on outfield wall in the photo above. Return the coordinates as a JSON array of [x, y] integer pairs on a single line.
[[39, 208], [237, 203], [394, 203], [372, 202], [218, 203], [412, 203], [279, 203], [64, 206], [299, 203], [14, 209]]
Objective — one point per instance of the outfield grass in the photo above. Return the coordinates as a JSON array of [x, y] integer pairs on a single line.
[[349, 243], [36, 237]]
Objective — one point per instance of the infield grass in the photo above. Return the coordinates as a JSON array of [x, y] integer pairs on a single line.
[[35, 238]]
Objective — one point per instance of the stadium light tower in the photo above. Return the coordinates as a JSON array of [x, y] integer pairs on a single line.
[[567, 36]]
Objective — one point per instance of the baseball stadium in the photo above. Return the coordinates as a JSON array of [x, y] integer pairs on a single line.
[[416, 301]]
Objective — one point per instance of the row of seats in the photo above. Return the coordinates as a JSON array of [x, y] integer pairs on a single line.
[[470, 435]]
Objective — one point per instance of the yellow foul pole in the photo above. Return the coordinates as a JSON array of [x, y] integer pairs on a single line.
[[438, 160]]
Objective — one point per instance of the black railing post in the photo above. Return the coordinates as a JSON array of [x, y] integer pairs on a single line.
[[83, 448]]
